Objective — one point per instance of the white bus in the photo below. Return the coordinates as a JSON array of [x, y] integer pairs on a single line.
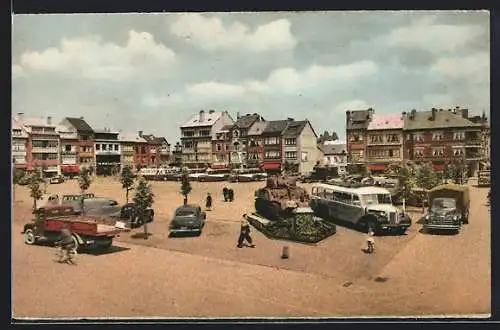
[[368, 207]]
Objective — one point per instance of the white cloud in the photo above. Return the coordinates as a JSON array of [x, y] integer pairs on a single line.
[[210, 33], [91, 58], [424, 33], [215, 90], [351, 105], [475, 68], [17, 71]]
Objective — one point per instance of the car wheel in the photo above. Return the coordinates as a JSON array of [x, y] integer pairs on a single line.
[[75, 243], [371, 226], [29, 237]]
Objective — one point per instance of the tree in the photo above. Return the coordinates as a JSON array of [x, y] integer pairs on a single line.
[[127, 180], [44, 179], [143, 199], [456, 171], [404, 174], [365, 171], [185, 186], [17, 175], [427, 177], [35, 179], [84, 182]]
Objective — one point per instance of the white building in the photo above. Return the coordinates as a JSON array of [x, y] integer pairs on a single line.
[[335, 155]]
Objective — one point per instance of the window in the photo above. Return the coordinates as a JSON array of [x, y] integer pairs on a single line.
[[437, 151], [418, 137], [355, 137], [392, 138], [271, 141], [16, 132], [376, 138], [253, 156], [290, 141], [219, 147], [188, 133], [437, 136], [458, 136], [418, 152], [205, 132], [291, 155], [235, 133], [67, 147], [272, 154], [116, 147], [458, 152], [304, 156]]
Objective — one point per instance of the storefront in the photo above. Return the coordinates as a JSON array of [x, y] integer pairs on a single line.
[[272, 167], [107, 164], [70, 170]]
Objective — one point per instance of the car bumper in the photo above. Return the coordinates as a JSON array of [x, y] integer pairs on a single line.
[[185, 230], [441, 227]]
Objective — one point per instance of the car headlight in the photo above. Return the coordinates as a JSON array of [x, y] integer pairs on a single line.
[[455, 218], [427, 217]]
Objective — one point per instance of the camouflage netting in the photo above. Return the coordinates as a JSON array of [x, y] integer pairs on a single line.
[[307, 228]]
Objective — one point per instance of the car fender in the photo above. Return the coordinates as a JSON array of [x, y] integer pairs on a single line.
[[28, 226], [78, 238]]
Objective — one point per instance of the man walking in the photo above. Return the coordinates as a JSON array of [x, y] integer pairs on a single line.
[[245, 233], [208, 203]]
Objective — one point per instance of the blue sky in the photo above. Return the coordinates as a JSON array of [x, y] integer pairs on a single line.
[[151, 72]]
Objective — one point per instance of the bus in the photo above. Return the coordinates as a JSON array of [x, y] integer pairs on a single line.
[[369, 208]]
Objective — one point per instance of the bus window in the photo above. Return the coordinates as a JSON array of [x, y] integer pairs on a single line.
[[355, 200]]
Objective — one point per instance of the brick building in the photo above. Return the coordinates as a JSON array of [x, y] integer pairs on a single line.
[[221, 144], [356, 127], [273, 148], [159, 149], [255, 154], [240, 140], [85, 155]]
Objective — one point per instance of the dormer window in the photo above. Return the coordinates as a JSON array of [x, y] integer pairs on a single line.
[[235, 133]]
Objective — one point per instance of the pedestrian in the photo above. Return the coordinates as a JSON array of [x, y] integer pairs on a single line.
[[225, 194], [245, 233], [208, 202], [370, 242], [230, 194]]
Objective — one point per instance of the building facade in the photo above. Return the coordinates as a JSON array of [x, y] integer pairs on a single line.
[[197, 135], [384, 141], [19, 145], [256, 144], [335, 155], [240, 139], [300, 147], [273, 147], [221, 144], [68, 152], [128, 142], [107, 151], [356, 126], [159, 150], [442, 137], [85, 155]]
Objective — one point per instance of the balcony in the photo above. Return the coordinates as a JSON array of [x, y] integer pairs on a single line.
[[68, 152], [68, 136], [45, 150], [473, 143]]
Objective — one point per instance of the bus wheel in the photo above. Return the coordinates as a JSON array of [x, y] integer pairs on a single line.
[[371, 226]]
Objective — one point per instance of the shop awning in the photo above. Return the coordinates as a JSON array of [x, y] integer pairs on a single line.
[[70, 168], [272, 166], [376, 167]]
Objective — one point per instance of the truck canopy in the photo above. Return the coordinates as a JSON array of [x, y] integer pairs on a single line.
[[458, 192]]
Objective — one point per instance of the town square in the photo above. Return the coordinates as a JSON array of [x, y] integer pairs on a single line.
[[170, 181]]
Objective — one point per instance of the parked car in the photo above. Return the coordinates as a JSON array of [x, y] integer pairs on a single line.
[[448, 208], [188, 218], [56, 180], [128, 217]]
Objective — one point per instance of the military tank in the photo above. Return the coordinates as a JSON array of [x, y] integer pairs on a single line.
[[283, 212], [279, 197]]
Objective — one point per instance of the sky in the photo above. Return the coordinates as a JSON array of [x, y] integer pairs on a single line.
[[152, 72]]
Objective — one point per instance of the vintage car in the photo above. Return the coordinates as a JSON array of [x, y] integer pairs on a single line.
[[128, 218], [86, 231], [319, 174], [56, 179], [484, 178], [215, 175], [188, 218], [448, 208]]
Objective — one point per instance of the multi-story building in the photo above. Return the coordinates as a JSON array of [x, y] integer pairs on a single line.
[[141, 152], [221, 147], [299, 143], [43, 144], [85, 155], [335, 155], [272, 136], [197, 135], [256, 144], [19, 145], [176, 159], [384, 141], [128, 143], [239, 138], [107, 151], [442, 137], [159, 150], [356, 125], [69, 146]]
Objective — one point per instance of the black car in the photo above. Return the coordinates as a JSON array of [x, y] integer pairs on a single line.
[[188, 218], [128, 216]]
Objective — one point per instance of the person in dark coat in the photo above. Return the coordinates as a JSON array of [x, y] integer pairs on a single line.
[[230, 193], [245, 233], [208, 202], [225, 194]]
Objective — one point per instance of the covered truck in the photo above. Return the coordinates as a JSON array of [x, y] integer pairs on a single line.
[[448, 208]]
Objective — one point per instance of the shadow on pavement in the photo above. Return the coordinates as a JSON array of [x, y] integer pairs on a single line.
[[184, 235], [110, 250], [437, 232], [140, 235]]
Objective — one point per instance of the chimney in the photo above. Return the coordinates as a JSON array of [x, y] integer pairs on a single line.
[[49, 120], [433, 116], [465, 113], [140, 133], [413, 113], [20, 115], [370, 113], [81, 118], [347, 116], [202, 116], [237, 115], [211, 111], [403, 115], [290, 119]]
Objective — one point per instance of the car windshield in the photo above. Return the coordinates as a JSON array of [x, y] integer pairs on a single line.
[[444, 203], [371, 199], [185, 213]]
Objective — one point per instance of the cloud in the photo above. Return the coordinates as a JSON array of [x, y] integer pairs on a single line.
[[89, 57], [17, 71], [425, 33], [351, 105], [211, 34], [280, 82], [475, 68]]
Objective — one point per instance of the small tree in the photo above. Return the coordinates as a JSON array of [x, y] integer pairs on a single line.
[[427, 177], [34, 184], [17, 175], [405, 182], [127, 180], [185, 186], [456, 171], [44, 179], [84, 182], [143, 199]]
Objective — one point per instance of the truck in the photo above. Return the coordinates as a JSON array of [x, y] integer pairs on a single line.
[[87, 232], [448, 208]]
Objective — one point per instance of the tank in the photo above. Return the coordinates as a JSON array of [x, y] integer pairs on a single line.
[[281, 195]]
